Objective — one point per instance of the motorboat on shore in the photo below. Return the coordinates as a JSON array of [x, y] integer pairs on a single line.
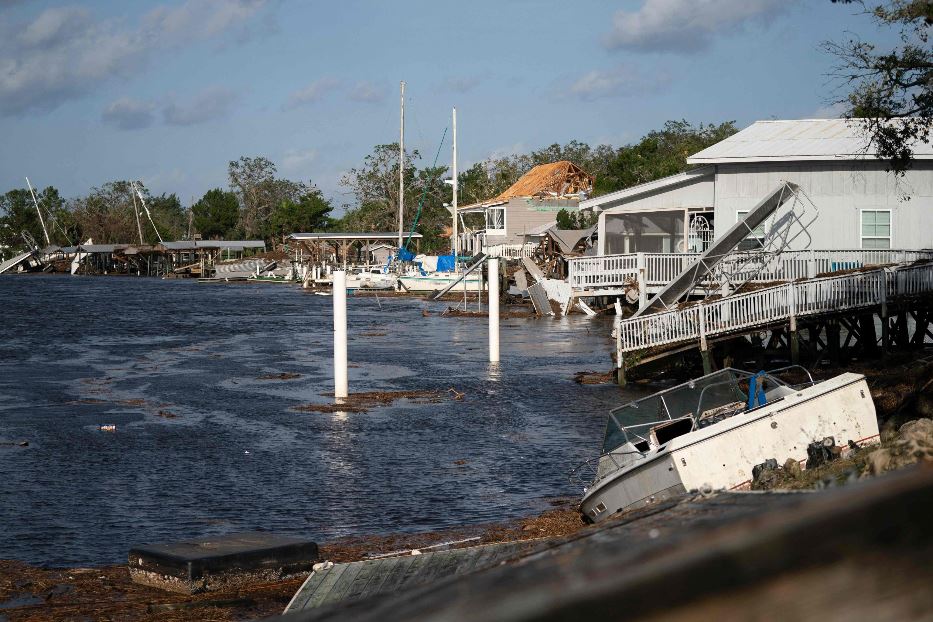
[[710, 432]]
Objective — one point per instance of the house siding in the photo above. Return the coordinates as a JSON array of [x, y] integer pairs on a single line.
[[839, 191], [523, 214]]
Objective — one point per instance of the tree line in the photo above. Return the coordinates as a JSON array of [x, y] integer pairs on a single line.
[[259, 204]]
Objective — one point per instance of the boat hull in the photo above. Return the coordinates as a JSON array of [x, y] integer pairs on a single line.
[[433, 282], [722, 456]]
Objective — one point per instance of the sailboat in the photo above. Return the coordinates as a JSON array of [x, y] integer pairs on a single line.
[[439, 273]]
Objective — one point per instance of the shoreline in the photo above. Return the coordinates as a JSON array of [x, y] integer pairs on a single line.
[[901, 387]]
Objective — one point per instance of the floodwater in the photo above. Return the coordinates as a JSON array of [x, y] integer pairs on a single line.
[[203, 446]]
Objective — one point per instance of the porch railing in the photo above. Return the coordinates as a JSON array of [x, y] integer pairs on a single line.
[[617, 271]]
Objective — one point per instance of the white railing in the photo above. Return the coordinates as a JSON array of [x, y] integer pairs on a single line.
[[604, 271], [511, 251], [774, 304], [610, 271]]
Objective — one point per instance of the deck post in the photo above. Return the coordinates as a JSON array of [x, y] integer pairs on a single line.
[[620, 360], [493, 304], [641, 278], [793, 338], [885, 323], [340, 334], [704, 345], [832, 340]]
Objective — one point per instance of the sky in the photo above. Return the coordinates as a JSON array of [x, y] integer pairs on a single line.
[[169, 92]]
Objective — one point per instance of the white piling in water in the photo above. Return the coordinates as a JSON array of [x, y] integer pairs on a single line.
[[340, 334], [493, 304]]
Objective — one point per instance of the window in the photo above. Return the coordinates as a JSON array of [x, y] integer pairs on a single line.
[[495, 221], [876, 228], [756, 238]]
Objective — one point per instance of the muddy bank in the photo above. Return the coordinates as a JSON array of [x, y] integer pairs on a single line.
[[31, 594]]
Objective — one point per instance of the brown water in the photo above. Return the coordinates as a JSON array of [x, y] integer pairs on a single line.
[[203, 446]]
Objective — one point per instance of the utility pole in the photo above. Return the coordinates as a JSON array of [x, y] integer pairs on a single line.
[[454, 237], [401, 171], [45, 231]]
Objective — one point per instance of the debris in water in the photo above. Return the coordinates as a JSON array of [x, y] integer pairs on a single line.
[[362, 402], [594, 377], [285, 375]]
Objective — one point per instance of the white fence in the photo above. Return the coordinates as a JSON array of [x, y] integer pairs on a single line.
[[774, 304], [617, 271], [510, 251]]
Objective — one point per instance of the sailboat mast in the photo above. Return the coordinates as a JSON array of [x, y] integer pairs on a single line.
[[139, 225], [401, 171], [45, 231], [454, 237]]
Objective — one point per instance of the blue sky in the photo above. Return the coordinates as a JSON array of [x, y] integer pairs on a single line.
[[168, 92]]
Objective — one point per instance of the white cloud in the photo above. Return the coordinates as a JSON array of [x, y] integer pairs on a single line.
[[64, 52], [296, 161], [616, 82], [312, 93], [129, 114], [211, 103], [367, 92], [682, 26]]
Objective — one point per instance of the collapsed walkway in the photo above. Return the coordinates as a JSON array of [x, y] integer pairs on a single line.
[[857, 552]]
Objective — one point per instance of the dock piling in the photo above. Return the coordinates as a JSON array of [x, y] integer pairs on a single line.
[[493, 304], [340, 334]]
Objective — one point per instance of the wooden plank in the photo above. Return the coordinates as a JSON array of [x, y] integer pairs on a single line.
[[331, 576]]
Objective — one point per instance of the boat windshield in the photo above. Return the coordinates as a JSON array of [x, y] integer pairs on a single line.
[[697, 403]]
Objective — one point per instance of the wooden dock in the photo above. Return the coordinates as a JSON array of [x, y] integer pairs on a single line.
[[859, 552], [345, 583]]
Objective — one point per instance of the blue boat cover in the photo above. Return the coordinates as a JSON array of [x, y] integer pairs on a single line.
[[446, 263]]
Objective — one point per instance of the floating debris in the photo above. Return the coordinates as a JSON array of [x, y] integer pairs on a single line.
[[362, 402], [285, 375]]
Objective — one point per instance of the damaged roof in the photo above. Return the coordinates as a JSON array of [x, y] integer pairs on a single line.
[[556, 179]]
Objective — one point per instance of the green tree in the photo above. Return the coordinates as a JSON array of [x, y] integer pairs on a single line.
[[890, 84], [108, 215], [253, 181], [18, 216], [310, 213], [169, 216], [566, 219], [660, 153], [216, 214]]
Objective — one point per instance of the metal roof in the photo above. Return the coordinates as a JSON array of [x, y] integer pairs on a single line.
[[101, 248], [345, 235], [239, 244], [612, 199], [794, 140]]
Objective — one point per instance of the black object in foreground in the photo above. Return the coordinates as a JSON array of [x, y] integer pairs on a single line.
[[221, 562]]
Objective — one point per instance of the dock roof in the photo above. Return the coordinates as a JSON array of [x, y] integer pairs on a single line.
[[324, 236]]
